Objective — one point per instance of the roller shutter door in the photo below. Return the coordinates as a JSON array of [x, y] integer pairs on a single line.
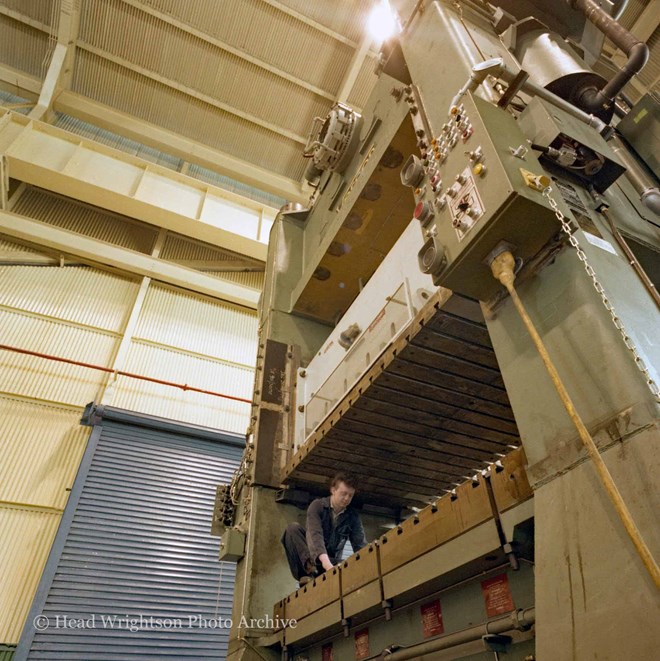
[[133, 573]]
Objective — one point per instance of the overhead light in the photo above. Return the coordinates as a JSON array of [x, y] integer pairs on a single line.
[[382, 23]]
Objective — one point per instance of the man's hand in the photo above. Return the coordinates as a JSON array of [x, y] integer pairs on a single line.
[[325, 562]]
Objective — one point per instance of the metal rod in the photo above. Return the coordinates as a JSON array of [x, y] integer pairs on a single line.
[[129, 375]]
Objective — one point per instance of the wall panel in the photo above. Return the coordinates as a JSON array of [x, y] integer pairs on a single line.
[[212, 328], [70, 293], [41, 447], [167, 402], [42, 379], [27, 535]]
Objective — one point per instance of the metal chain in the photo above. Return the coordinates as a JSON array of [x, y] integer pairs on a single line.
[[653, 387]]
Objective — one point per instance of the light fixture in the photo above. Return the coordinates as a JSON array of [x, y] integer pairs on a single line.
[[382, 22]]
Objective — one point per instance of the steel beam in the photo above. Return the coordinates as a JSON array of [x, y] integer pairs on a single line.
[[354, 69], [648, 21], [19, 83], [100, 252], [51, 83], [22, 18], [121, 355], [67, 34], [172, 143]]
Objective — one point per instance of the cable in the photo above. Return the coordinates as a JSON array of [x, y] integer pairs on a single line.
[[502, 267]]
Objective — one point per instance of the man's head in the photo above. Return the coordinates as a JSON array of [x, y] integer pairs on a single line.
[[342, 490]]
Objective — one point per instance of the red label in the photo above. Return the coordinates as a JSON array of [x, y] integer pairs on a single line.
[[326, 652], [497, 595], [432, 619], [362, 644]]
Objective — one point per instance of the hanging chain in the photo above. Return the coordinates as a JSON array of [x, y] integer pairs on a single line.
[[653, 387]]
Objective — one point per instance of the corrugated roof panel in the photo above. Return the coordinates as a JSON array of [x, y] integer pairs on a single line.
[[8, 99], [16, 250], [155, 45], [178, 247], [42, 446], [211, 177], [347, 17], [169, 402], [74, 293], [364, 84], [650, 74], [154, 102], [212, 328], [268, 34], [86, 130], [23, 47], [253, 280], [27, 536], [89, 221], [632, 12], [39, 10], [44, 379]]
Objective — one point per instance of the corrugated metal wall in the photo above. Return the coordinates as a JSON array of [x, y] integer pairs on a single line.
[[82, 313], [134, 545]]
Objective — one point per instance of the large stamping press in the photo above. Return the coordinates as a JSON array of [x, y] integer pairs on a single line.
[[461, 317]]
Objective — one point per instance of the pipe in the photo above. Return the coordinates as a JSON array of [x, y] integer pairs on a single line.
[[129, 375], [643, 184], [636, 51], [623, 244], [502, 267], [496, 68], [520, 620]]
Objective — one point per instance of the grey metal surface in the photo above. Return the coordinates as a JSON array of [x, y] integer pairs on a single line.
[[641, 128], [135, 542], [590, 584]]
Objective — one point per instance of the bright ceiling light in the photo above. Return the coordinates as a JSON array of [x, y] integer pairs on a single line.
[[382, 23]]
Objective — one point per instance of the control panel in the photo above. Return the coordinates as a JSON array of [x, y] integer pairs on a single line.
[[476, 184]]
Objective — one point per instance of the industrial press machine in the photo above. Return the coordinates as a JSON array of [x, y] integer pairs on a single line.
[[464, 316]]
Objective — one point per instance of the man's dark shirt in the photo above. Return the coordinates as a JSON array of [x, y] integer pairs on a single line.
[[324, 537]]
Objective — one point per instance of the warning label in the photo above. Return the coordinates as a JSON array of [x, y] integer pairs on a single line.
[[497, 595], [432, 619], [362, 644]]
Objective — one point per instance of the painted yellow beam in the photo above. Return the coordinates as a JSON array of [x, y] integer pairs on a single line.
[[130, 261], [177, 145], [56, 160]]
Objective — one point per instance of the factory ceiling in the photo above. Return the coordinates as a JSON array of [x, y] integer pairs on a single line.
[[232, 85], [244, 78]]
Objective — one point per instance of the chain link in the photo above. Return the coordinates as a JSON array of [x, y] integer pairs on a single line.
[[618, 324]]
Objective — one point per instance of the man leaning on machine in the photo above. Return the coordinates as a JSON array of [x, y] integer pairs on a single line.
[[331, 521]]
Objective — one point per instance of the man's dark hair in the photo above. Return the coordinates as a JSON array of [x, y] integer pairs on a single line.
[[348, 479]]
